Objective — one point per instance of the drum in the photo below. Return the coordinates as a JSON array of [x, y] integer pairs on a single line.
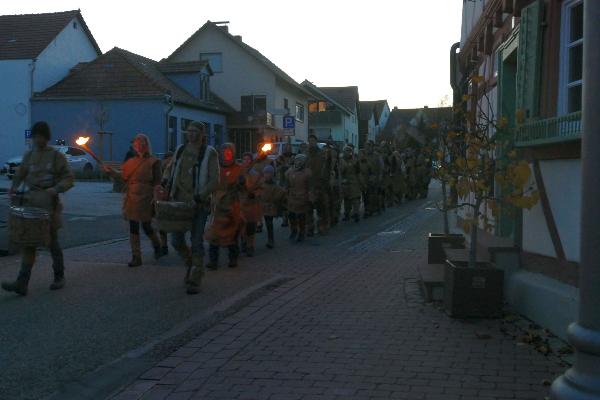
[[174, 216], [29, 226]]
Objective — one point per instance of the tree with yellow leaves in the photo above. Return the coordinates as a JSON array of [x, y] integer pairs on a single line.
[[482, 169]]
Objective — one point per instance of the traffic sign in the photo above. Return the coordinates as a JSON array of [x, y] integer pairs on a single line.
[[289, 122], [28, 134]]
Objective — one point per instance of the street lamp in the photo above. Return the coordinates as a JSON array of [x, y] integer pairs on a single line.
[[582, 381]]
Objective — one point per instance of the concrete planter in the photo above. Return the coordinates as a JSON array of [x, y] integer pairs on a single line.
[[435, 246], [473, 292]]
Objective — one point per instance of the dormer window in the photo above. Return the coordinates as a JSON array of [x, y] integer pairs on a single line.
[[215, 60]]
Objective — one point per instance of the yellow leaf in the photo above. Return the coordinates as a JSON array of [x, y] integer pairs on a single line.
[[520, 115], [477, 79], [467, 227]]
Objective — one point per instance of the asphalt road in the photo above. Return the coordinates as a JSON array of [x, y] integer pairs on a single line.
[[51, 340], [92, 213]]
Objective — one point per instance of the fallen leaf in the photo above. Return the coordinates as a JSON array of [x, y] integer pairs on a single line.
[[546, 382], [483, 336], [333, 337]]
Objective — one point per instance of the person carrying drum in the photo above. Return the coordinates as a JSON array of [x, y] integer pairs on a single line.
[[141, 174], [44, 173], [192, 177]]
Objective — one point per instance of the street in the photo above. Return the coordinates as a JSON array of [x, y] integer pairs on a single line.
[[346, 304]]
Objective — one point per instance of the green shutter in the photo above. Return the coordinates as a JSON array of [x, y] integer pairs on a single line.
[[530, 58]]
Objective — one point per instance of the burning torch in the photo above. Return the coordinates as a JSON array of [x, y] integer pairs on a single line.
[[266, 148], [82, 142]]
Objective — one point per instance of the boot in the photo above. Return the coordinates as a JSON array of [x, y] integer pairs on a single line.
[[233, 256], [58, 266], [250, 246], [20, 285], [213, 255], [270, 240], [244, 245], [59, 282], [158, 253], [356, 218], [195, 280], [302, 228], [136, 251]]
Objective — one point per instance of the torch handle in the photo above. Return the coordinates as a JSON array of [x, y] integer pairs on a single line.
[[91, 153]]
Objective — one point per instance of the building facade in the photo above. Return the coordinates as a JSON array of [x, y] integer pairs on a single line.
[[121, 94], [260, 92], [331, 120], [527, 56], [31, 60]]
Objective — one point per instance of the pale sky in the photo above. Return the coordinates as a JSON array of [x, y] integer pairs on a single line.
[[391, 49]]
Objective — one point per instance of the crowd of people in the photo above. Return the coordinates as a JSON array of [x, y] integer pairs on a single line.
[[231, 200]]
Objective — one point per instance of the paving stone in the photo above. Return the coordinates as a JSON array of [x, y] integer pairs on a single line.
[[357, 329]]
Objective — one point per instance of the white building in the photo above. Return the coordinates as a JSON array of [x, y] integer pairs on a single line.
[[36, 51], [329, 118], [260, 91]]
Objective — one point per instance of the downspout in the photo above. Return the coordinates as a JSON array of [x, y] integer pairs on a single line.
[[454, 73], [169, 101], [31, 91]]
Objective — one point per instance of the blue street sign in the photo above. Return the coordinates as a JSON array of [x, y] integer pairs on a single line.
[[289, 122], [27, 134]]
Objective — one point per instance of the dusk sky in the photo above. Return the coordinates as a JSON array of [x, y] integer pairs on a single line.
[[395, 50]]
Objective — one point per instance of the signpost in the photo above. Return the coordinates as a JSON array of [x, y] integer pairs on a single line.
[[289, 125]]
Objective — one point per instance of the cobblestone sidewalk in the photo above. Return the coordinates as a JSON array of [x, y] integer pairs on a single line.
[[357, 330]]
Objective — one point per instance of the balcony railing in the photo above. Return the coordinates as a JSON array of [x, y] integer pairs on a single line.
[[548, 131], [325, 118]]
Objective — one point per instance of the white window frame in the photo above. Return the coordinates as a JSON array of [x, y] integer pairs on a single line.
[[299, 105], [565, 46]]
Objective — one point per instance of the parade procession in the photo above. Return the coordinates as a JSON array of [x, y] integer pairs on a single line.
[[216, 197]]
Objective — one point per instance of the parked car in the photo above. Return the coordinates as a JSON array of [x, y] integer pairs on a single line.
[[79, 161]]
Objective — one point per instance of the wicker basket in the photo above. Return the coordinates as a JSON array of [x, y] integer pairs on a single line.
[[29, 226], [174, 216]]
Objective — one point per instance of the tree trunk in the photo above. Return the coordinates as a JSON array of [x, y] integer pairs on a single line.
[[445, 208], [473, 244]]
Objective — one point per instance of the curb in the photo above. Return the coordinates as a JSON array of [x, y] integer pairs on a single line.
[[109, 379]]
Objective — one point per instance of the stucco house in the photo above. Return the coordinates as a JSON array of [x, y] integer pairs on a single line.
[[36, 51], [331, 120], [260, 92], [121, 93], [527, 56], [412, 127], [367, 123]]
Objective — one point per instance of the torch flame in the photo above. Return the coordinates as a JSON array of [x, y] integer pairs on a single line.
[[82, 140], [267, 147]]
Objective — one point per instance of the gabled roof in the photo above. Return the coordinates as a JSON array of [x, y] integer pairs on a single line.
[[182, 67], [320, 95], [24, 37], [377, 106], [121, 74], [367, 110], [346, 95], [250, 50], [412, 117]]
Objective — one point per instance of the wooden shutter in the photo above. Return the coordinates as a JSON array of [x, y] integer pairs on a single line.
[[529, 58]]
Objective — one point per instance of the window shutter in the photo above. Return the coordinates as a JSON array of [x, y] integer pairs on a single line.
[[529, 58]]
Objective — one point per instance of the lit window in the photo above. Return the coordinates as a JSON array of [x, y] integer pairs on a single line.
[[571, 74]]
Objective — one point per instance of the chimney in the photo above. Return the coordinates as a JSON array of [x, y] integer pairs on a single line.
[[224, 27], [238, 37]]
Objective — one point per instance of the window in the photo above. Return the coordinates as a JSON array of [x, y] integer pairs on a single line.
[[571, 57], [254, 104], [204, 88], [215, 60], [219, 139], [172, 138], [286, 105], [184, 124], [299, 112], [313, 107], [73, 151]]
